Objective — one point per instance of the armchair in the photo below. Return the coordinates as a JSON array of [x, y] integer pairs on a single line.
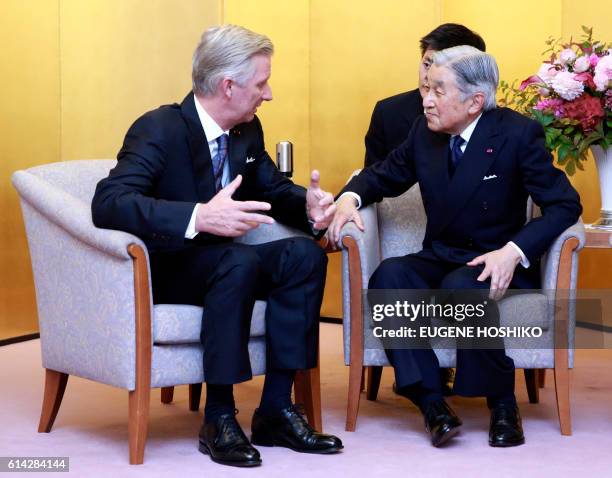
[[95, 310], [396, 227]]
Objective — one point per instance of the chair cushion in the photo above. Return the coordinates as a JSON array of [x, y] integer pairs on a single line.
[[181, 324]]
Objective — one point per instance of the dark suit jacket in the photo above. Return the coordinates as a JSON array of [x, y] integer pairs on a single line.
[[391, 121], [164, 168], [467, 214]]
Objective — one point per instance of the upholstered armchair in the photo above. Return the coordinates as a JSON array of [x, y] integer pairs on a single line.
[[96, 315], [396, 227]]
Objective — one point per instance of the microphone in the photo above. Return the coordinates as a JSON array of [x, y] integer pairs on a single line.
[[284, 158]]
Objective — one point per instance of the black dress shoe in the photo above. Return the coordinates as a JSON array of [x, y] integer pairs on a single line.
[[506, 428], [290, 429], [226, 443], [441, 422]]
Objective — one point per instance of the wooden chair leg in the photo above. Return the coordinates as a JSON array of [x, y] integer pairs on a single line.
[[354, 394], [55, 385], [374, 375], [195, 392], [531, 380], [138, 421], [542, 377], [167, 394], [561, 375], [307, 389]]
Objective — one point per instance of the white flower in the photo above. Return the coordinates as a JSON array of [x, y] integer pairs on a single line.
[[566, 56], [582, 64], [566, 87], [547, 72], [603, 73]]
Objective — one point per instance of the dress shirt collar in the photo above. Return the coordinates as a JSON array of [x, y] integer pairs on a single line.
[[211, 129], [466, 134]]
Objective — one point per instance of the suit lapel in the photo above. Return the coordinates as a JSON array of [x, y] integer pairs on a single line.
[[200, 153], [481, 151]]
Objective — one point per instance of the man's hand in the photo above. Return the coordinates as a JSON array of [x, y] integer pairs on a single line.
[[499, 265], [346, 210], [222, 216], [320, 205]]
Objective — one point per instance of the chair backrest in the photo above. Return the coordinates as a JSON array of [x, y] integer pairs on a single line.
[[77, 178]]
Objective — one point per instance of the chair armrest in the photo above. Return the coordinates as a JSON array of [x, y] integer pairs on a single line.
[[360, 258], [72, 215], [553, 257]]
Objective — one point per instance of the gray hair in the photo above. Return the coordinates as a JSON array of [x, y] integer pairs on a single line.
[[226, 51], [475, 71]]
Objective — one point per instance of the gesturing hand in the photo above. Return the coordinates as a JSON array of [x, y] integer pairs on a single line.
[[320, 205], [499, 265], [346, 210], [222, 216]]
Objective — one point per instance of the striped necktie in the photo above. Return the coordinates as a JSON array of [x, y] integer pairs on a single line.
[[456, 153], [219, 160]]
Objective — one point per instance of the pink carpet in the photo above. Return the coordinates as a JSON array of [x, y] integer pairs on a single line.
[[91, 428]]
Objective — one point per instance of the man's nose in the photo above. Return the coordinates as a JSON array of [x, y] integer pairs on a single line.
[[267, 94]]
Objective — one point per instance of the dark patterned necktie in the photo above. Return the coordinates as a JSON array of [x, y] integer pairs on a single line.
[[456, 153], [219, 160]]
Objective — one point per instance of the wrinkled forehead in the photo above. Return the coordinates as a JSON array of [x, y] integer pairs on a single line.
[[440, 76]]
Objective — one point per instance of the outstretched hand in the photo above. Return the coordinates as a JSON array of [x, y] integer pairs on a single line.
[[222, 216], [320, 205]]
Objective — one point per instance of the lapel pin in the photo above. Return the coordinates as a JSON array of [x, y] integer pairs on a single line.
[[489, 150]]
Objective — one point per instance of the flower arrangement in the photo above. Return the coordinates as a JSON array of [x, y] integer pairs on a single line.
[[570, 96]]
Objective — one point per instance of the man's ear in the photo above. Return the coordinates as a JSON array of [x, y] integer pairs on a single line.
[[477, 105], [225, 85]]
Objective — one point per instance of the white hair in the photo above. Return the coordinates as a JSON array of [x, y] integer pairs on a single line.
[[226, 52], [475, 71]]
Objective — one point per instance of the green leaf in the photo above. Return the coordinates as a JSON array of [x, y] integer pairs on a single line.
[[570, 168]]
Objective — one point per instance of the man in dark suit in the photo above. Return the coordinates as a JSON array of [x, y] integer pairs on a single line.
[[393, 117], [476, 166], [189, 178]]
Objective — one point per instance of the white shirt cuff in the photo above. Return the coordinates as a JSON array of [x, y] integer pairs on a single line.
[[354, 195], [191, 232], [524, 261]]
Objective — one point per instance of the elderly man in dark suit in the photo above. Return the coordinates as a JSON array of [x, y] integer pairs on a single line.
[[190, 177], [476, 165], [393, 117]]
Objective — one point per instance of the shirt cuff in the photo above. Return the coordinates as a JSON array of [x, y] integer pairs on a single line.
[[353, 195], [191, 232], [524, 261]]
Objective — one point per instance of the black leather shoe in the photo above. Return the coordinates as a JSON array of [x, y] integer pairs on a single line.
[[506, 428], [447, 377], [441, 422], [226, 443], [290, 429]]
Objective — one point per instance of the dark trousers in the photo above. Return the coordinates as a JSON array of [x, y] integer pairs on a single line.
[[480, 372], [226, 279]]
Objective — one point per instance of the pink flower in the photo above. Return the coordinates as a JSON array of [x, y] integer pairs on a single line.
[[567, 56], [609, 99], [547, 72], [594, 59], [566, 86], [581, 64], [551, 105]]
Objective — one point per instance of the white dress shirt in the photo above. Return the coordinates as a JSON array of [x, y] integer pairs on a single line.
[[466, 134], [212, 131]]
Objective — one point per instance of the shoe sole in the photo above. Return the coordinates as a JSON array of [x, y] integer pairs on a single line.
[[240, 464], [271, 443], [453, 432], [506, 445]]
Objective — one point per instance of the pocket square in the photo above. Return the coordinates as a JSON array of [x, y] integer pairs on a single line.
[[492, 176], [250, 160]]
